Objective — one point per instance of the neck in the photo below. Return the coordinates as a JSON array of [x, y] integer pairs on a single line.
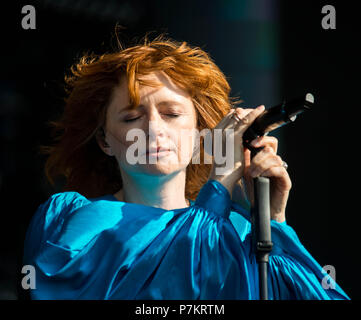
[[166, 192]]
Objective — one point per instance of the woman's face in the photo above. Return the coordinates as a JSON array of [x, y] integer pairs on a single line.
[[165, 121]]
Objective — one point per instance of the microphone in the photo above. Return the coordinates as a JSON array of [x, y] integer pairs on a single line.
[[277, 116]]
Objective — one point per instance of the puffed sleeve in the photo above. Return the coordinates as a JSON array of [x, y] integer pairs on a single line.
[[48, 220], [293, 272], [40, 247]]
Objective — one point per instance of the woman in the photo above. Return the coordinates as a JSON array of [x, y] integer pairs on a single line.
[[166, 228]]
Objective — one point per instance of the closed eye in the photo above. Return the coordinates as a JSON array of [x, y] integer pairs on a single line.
[[171, 115], [130, 120]]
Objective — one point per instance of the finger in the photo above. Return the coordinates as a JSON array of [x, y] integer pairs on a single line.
[[225, 119], [282, 176], [264, 163], [247, 158], [241, 113], [265, 141], [276, 171], [248, 119], [264, 153], [247, 164]]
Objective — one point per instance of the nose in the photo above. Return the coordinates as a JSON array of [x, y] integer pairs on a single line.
[[156, 126]]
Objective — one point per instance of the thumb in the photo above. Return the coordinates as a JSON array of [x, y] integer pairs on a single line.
[[247, 158]]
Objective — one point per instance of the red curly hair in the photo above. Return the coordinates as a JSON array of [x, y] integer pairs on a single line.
[[76, 155]]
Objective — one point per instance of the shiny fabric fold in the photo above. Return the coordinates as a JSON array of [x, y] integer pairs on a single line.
[[103, 248]]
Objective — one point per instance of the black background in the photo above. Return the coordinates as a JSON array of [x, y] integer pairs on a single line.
[[321, 149]]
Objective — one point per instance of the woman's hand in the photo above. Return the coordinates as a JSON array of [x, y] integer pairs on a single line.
[[230, 177], [265, 163]]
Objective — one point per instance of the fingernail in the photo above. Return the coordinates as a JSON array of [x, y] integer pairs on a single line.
[[260, 107]]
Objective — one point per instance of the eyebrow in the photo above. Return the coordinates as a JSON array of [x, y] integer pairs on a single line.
[[162, 103]]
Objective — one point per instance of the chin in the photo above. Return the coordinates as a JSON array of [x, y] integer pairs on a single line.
[[156, 170], [164, 166], [160, 168]]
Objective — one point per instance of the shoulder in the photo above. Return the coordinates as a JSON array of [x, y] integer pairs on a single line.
[[66, 211], [59, 205], [51, 214], [65, 199], [56, 208], [72, 220], [48, 219]]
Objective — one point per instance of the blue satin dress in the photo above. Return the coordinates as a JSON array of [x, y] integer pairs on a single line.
[[102, 248]]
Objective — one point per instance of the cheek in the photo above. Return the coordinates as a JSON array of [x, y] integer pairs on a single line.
[[186, 139], [128, 151], [118, 142]]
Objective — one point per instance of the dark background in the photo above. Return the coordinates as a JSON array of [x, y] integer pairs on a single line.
[[269, 50]]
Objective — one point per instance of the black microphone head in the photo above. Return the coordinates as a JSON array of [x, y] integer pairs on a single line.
[[278, 116]]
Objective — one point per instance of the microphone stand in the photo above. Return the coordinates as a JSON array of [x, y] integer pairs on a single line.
[[260, 218], [271, 119]]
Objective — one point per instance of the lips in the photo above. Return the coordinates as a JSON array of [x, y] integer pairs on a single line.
[[157, 150]]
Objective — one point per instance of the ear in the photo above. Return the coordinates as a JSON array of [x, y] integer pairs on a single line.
[[101, 140]]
